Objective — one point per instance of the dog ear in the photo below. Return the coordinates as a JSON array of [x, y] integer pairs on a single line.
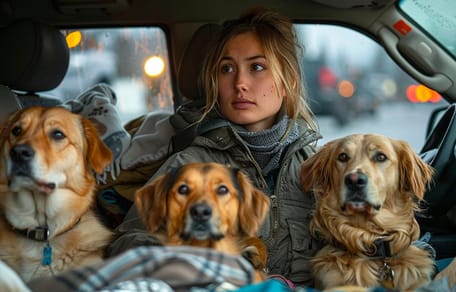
[[254, 205], [150, 201], [414, 173], [315, 171], [98, 154], [5, 129]]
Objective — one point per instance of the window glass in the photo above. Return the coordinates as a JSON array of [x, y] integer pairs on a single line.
[[354, 87], [133, 61]]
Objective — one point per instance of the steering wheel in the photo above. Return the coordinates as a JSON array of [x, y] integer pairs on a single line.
[[439, 152]]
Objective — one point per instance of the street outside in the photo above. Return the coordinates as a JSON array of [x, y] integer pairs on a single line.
[[405, 121]]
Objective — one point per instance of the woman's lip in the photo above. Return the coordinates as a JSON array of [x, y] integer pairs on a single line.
[[243, 104]]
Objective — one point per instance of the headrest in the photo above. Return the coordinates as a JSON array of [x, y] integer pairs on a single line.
[[33, 56], [192, 61]]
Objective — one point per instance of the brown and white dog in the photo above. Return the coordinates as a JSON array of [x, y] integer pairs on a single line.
[[206, 205], [47, 190], [367, 188]]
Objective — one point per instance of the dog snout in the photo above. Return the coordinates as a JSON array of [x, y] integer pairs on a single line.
[[201, 212], [22, 153], [356, 181]]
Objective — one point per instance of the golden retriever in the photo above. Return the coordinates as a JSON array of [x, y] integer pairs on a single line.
[[206, 205], [47, 185], [367, 189]]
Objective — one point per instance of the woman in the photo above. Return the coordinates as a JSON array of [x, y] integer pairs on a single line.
[[252, 82]]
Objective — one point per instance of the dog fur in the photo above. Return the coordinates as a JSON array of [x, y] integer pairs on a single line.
[[48, 156], [206, 205], [367, 188]]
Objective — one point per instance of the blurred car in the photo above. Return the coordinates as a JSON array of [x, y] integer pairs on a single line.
[[324, 98], [337, 97], [398, 58]]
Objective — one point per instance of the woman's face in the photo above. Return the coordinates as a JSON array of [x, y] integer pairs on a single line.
[[247, 93]]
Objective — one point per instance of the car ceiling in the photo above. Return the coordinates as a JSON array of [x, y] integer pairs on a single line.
[[139, 12]]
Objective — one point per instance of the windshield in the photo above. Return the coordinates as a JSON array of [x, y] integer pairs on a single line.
[[437, 18]]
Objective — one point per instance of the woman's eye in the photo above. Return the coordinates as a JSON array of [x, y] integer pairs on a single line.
[[183, 189], [16, 131], [57, 135], [226, 68], [257, 67]]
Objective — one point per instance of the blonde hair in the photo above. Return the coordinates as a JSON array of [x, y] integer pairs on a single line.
[[277, 37]]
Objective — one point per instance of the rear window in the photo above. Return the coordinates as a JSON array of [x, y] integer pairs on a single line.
[[133, 61]]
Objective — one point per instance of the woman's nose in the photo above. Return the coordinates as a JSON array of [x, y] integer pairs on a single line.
[[241, 81]]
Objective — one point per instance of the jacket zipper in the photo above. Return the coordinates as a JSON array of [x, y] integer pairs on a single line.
[[275, 222]]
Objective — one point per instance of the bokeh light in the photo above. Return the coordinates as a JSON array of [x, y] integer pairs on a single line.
[[73, 39], [154, 66]]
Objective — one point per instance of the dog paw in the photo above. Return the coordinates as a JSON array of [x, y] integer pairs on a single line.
[[254, 250]]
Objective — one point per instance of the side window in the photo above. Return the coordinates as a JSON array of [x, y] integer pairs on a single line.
[[353, 86], [133, 61]]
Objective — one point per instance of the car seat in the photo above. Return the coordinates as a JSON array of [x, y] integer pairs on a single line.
[[193, 59], [190, 86], [34, 57]]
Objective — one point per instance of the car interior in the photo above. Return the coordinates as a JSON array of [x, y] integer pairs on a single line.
[[34, 58]]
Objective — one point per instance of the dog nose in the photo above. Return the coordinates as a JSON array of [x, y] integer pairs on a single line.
[[22, 153], [200, 212], [356, 181]]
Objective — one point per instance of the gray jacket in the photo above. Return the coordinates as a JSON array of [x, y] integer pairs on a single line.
[[285, 230]]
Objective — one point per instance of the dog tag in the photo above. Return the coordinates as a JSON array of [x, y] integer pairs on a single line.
[[386, 275], [47, 255]]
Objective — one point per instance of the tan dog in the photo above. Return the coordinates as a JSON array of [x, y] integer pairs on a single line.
[[47, 186], [206, 205], [367, 188]]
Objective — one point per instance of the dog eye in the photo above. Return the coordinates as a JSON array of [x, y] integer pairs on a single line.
[[222, 190], [380, 157], [57, 135], [183, 189], [343, 157], [16, 131]]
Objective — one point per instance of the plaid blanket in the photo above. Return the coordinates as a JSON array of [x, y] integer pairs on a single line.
[[155, 268], [182, 268]]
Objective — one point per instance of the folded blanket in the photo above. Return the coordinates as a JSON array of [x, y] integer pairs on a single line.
[[178, 268]]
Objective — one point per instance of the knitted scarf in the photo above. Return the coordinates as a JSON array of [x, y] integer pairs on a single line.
[[267, 146]]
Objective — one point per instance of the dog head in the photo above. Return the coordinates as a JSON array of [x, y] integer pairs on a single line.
[[362, 173], [202, 202], [47, 158], [367, 187]]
